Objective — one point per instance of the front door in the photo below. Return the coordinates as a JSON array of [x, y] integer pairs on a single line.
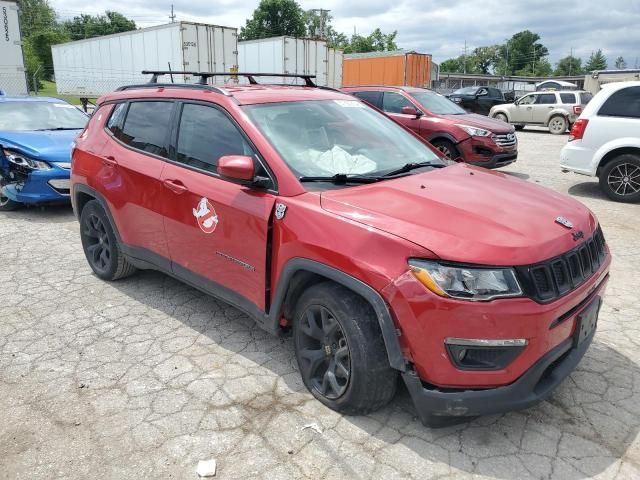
[[523, 108], [217, 230], [543, 106]]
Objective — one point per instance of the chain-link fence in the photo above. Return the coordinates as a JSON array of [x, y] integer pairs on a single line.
[[13, 81]]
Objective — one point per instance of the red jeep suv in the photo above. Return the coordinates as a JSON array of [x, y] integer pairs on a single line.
[[317, 215], [477, 139]]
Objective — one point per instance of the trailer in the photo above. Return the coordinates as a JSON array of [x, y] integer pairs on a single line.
[[594, 81], [13, 78], [387, 68], [289, 55], [90, 68]]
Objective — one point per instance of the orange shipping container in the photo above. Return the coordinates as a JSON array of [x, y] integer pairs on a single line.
[[387, 68]]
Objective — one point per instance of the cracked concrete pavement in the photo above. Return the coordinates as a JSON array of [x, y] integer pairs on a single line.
[[146, 376]]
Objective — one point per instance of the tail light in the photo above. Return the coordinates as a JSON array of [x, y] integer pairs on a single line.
[[577, 131], [577, 109]]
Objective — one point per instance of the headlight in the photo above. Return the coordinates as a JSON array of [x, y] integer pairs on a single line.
[[466, 283], [24, 161], [474, 131]]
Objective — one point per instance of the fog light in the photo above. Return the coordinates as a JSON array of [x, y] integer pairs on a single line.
[[480, 354]]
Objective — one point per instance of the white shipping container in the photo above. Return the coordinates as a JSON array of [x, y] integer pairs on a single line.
[[13, 80], [90, 68], [294, 56]]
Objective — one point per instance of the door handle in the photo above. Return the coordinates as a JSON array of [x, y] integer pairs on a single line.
[[529, 108], [109, 161], [176, 186]]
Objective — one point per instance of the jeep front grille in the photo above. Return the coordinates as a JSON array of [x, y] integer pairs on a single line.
[[505, 140], [547, 281]]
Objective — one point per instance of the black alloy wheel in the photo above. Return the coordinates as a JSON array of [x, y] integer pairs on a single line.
[[323, 349], [97, 243]]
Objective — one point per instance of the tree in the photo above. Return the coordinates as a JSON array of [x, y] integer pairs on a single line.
[[275, 18], [620, 63], [523, 53], [569, 65], [40, 43], [89, 26], [597, 61], [484, 59], [452, 65], [36, 16]]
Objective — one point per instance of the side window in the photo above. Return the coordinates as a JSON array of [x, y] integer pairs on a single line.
[[546, 99], [116, 119], [393, 102], [374, 98], [147, 126], [205, 135], [569, 98], [495, 93], [623, 103], [527, 100], [482, 91]]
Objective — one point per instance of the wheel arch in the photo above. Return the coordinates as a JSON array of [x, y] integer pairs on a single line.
[[505, 112], [300, 273], [83, 194], [613, 154], [443, 136], [557, 113]]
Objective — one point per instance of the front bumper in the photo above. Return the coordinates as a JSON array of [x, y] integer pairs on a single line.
[[437, 407], [485, 152], [41, 186]]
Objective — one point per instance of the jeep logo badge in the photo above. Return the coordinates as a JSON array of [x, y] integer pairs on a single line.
[[564, 222]]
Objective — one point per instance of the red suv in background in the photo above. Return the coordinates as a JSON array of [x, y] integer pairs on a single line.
[[317, 215], [477, 139]]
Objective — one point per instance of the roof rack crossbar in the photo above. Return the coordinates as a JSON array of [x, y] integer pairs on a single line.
[[174, 85], [204, 76]]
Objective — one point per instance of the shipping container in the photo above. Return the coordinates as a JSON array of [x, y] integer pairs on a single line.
[[292, 55], [594, 81], [387, 68], [90, 68], [13, 79]]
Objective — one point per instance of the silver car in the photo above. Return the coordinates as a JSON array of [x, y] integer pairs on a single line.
[[555, 110]]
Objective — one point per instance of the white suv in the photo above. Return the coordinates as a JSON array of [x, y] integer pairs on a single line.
[[605, 141]]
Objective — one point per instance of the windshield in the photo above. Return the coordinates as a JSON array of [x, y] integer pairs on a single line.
[[467, 90], [436, 103], [329, 137], [25, 116]]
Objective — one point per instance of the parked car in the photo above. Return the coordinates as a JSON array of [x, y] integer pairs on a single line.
[[555, 110], [477, 99], [316, 214], [476, 139], [605, 141], [36, 136], [555, 85]]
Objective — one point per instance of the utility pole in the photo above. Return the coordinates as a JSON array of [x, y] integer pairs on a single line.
[[570, 60], [465, 57], [321, 28], [173, 15], [533, 72]]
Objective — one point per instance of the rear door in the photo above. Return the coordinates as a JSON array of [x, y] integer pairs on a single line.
[[217, 230], [130, 180]]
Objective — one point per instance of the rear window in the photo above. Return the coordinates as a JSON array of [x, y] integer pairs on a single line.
[[585, 97], [623, 103], [147, 127], [569, 98]]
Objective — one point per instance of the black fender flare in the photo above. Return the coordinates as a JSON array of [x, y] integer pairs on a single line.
[[387, 327], [81, 188], [443, 136]]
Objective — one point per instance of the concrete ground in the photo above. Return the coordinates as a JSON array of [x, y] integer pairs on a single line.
[[144, 377]]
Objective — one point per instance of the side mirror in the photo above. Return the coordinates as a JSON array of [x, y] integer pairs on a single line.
[[237, 167], [412, 111]]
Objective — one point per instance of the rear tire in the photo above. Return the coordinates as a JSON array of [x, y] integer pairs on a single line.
[[620, 178], [340, 350], [558, 125], [447, 148], [101, 245]]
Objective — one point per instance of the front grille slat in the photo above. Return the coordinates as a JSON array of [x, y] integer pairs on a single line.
[[506, 140], [558, 276]]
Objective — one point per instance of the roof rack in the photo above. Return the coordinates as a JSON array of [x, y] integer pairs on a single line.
[[205, 76]]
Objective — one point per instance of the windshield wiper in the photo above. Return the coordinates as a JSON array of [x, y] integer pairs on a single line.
[[58, 128], [412, 166], [341, 178]]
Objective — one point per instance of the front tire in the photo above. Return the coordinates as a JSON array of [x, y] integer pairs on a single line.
[[620, 178], [447, 148], [340, 350], [501, 117], [101, 245], [558, 125], [6, 204]]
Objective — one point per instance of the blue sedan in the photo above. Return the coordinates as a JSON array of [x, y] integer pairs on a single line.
[[36, 136]]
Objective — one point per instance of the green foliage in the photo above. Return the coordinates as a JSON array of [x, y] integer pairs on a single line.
[[569, 65], [597, 61], [274, 18], [523, 53], [41, 43], [452, 65], [88, 26], [36, 16], [620, 63], [484, 59]]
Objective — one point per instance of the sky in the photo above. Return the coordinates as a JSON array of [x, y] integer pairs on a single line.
[[428, 26]]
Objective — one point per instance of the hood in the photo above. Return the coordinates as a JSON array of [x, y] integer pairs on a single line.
[[51, 145], [480, 121], [468, 214]]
